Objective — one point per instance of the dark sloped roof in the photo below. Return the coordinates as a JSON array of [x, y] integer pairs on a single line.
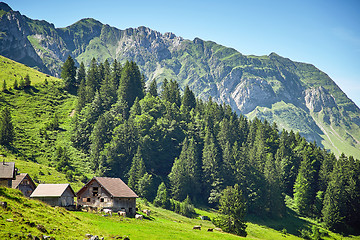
[[19, 178], [7, 170], [50, 190], [114, 186]]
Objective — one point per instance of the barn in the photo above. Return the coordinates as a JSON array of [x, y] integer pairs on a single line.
[[111, 193], [54, 194], [24, 183], [7, 173]]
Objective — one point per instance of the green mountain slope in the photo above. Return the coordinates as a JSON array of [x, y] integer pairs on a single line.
[[27, 215], [296, 95]]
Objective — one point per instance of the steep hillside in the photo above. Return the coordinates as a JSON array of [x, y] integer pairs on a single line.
[[32, 110], [23, 216], [297, 96]]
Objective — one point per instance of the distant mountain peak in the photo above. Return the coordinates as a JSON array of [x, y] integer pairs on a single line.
[[5, 7]]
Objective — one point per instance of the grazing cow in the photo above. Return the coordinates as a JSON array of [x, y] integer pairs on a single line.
[[210, 229], [121, 213], [147, 212], [197, 227], [107, 211], [139, 216]]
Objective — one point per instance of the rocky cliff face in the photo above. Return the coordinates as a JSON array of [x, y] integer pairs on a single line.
[[13, 41], [297, 96]]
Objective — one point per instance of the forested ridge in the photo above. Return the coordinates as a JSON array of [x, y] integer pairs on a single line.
[[196, 148]]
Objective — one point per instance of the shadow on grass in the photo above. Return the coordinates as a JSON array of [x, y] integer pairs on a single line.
[[291, 222]]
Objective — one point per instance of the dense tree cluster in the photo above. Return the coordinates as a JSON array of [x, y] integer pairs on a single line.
[[196, 149]]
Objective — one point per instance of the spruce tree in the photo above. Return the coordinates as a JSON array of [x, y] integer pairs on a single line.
[[92, 79], [16, 85], [131, 85], [4, 87], [81, 74], [233, 209], [27, 81], [188, 99], [185, 173], [7, 132], [68, 73], [211, 164], [162, 197], [115, 75], [153, 88], [137, 170]]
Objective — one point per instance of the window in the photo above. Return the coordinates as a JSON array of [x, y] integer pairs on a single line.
[[101, 199], [88, 199], [95, 191]]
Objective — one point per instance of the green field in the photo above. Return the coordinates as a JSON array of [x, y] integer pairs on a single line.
[[162, 224]]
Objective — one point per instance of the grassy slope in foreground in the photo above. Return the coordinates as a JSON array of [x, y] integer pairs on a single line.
[[163, 224]]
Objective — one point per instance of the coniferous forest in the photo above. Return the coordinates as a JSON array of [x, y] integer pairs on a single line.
[[167, 144]]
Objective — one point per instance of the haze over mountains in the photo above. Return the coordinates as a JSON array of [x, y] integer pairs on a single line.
[[297, 96]]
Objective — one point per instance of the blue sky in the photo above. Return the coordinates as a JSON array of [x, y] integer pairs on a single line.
[[323, 33]]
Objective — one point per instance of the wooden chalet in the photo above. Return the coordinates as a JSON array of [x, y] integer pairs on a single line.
[[111, 193], [24, 183], [7, 173], [54, 194]]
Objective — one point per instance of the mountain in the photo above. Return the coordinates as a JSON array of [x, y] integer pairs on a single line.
[[297, 96]]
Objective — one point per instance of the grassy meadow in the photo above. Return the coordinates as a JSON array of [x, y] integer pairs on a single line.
[[59, 223]]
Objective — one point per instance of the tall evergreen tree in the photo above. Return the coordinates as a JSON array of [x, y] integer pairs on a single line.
[[188, 99], [185, 173], [115, 74], [304, 188], [27, 81], [162, 198], [4, 87], [153, 88], [7, 132], [233, 208], [211, 158], [92, 79], [137, 170], [81, 74], [131, 85], [68, 73]]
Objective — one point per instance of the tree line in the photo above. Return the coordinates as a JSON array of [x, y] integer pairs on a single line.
[[158, 139]]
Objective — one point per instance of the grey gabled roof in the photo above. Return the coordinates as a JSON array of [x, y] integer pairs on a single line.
[[51, 190], [114, 186], [7, 170], [19, 178]]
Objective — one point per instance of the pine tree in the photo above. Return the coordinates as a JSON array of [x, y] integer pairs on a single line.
[[146, 188], [27, 81], [137, 170], [153, 88], [92, 80], [188, 99], [233, 209], [22, 83], [185, 173], [68, 73], [170, 92], [131, 85], [162, 197], [15, 86], [303, 188], [4, 87], [275, 202], [115, 75], [81, 74], [7, 132], [211, 164]]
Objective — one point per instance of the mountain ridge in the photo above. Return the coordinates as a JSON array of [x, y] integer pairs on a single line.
[[297, 95]]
